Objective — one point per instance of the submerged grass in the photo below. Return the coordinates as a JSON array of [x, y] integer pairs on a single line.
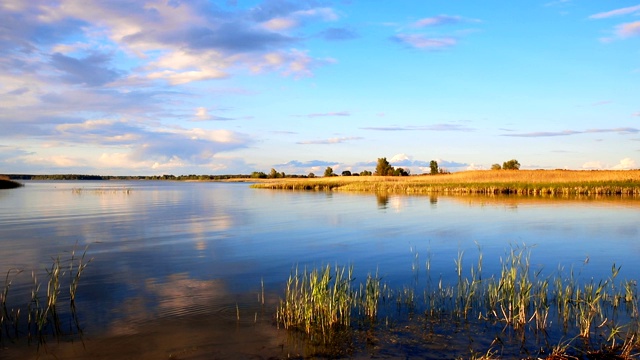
[[526, 182], [601, 317]]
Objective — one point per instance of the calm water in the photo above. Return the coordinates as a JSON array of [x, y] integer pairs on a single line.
[[172, 251]]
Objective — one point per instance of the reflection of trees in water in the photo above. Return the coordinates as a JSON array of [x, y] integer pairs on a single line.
[[383, 200]]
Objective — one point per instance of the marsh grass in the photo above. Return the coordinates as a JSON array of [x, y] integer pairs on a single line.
[[44, 315], [102, 191], [601, 317], [318, 302], [525, 182]]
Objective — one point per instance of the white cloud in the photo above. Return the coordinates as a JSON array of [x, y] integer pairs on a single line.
[[281, 24], [202, 114], [628, 29], [593, 165], [625, 164], [399, 158], [438, 20], [426, 43], [617, 12], [474, 167]]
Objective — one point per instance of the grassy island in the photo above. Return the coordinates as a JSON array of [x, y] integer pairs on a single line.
[[526, 182]]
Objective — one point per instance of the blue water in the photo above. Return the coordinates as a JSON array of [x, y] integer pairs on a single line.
[[163, 249]]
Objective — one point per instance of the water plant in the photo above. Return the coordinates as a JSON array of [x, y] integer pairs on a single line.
[[43, 315], [601, 317], [317, 301]]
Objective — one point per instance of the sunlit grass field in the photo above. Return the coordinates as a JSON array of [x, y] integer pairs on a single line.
[[553, 182]]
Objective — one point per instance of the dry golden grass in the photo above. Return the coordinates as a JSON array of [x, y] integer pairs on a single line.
[[502, 181]]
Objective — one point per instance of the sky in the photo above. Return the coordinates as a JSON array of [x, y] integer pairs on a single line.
[[154, 87]]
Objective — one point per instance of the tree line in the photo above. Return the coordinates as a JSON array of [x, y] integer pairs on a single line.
[[383, 168]]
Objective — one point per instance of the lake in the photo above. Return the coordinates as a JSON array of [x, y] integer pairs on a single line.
[[178, 268]]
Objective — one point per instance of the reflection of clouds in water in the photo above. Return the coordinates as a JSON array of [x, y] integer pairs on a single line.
[[397, 203], [179, 294], [176, 295]]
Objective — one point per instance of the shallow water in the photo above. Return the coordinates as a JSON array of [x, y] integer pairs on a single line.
[[168, 253]]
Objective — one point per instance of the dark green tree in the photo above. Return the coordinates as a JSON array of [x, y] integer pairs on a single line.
[[346, 173], [383, 168], [400, 172], [434, 167], [273, 174], [328, 172], [512, 164], [258, 175], [311, 175], [365, 173]]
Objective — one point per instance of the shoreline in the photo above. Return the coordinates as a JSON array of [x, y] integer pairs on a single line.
[[9, 184], [521, 182]]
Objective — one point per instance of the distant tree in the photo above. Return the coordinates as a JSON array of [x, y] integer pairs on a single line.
[[512, 164], [328, 172], [434, 167], [383, 168], [258, 175], [311, 175], [346, 173], [283, 175], [365, 173], [496, 167], [400, 172]]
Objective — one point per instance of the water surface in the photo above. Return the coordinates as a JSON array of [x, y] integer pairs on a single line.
[[173, 252]]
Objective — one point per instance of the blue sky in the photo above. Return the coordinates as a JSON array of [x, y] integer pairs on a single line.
[[225, 87]]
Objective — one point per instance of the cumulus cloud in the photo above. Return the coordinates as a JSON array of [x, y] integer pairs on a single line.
[[178, 42], [624, 164], [91, 70], [152, 147]]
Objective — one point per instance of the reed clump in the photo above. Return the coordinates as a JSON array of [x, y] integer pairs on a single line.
[[601, 316], [102, 191], [317, 302]]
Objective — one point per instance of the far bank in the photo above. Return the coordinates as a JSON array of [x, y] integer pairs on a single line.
[[528, 182]]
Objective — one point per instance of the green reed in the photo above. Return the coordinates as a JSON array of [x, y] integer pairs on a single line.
[[517, 296], [317, 301], [43, 316]]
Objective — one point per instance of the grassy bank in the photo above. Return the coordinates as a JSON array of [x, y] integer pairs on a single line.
[[530, 182]]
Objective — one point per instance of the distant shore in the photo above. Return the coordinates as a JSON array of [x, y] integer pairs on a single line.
[[526, 182]]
